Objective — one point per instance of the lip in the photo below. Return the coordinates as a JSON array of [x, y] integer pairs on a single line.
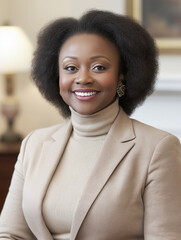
[[85, 90]]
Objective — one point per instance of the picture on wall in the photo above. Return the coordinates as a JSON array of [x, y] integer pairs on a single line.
[[162, 19]]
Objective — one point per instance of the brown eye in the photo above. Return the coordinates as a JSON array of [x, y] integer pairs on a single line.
[[70, 68], [99, 68]]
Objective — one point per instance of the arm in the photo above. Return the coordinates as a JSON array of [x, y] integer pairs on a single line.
[[12, 222], [162, 197]]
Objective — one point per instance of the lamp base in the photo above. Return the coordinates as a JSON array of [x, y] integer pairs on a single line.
[[9, 109], [10, 137]]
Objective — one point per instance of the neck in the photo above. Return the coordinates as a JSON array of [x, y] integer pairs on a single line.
[[94, 125]]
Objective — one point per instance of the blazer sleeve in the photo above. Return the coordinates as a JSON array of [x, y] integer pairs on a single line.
[[162, 196], [12, 222]]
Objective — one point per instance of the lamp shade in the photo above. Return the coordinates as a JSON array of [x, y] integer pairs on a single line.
[[15, 50]]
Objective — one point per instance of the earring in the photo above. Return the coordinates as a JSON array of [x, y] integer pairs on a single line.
[[120, 89]]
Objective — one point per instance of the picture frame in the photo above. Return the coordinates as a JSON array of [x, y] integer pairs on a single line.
[[162, 19]]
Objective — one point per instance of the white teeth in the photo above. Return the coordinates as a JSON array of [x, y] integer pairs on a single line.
[[85, 94]]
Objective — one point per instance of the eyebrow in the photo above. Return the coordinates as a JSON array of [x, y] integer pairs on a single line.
[[69, 57], [93, 57]]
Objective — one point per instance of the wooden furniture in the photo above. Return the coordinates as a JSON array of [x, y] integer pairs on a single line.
[[8, 157]]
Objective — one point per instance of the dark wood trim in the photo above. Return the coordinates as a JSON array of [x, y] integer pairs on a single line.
[[8, 158]]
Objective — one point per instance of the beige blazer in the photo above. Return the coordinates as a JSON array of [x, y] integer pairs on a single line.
[[133, 192]]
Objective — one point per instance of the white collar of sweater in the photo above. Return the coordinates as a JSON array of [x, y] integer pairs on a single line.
[[94, 125]]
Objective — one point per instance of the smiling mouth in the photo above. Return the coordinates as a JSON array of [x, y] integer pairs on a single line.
[[85, 94]]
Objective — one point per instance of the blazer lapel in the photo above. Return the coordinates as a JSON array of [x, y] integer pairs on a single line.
[[117, 144], [45, 167]]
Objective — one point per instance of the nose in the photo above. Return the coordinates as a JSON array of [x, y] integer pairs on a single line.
[[84, 77]]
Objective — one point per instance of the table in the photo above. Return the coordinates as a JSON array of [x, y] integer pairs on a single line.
[[8, 157]]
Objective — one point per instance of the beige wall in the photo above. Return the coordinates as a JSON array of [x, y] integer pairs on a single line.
[[4, 8], [4, 11], [31, 16]]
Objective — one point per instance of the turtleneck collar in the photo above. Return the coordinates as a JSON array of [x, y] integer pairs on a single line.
[[94, 125]]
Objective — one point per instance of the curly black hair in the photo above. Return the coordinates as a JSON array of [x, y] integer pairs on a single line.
[[138, 55]]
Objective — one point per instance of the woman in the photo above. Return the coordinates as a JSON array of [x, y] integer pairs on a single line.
[[100, 175]]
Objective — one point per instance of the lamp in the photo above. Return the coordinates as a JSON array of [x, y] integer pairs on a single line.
[[15, 57]]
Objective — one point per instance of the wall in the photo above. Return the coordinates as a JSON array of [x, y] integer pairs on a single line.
[[4, 12], [161, 109]]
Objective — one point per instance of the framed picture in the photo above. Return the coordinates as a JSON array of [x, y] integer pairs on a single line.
[[162, 19]]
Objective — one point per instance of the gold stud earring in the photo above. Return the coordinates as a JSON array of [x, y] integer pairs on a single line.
[[121, 89]]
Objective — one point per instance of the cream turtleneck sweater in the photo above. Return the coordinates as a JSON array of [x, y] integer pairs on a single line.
[[79, 157]]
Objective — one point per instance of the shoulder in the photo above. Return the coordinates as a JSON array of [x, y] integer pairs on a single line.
[[46, 133], [38, 136], [32, 144], [146, 134], [145, 129], [154, 148]]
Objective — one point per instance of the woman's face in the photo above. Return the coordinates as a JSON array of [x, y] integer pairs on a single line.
[[88, 72]]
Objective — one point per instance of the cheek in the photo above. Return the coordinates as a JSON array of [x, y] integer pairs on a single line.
[[62, 90], [60, 86], [63, 83], [62, 78], [110, 82]]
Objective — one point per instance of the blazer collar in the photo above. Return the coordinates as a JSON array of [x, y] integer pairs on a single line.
[[65, 130], [123, 124], [117, 143], [45, 167]]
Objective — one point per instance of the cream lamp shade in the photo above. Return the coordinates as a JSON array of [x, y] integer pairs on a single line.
[[15, 50]]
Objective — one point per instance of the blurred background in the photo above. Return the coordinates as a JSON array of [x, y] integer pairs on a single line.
[[162, 109]]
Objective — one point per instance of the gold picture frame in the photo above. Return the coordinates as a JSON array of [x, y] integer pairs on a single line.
[[166, 34]]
